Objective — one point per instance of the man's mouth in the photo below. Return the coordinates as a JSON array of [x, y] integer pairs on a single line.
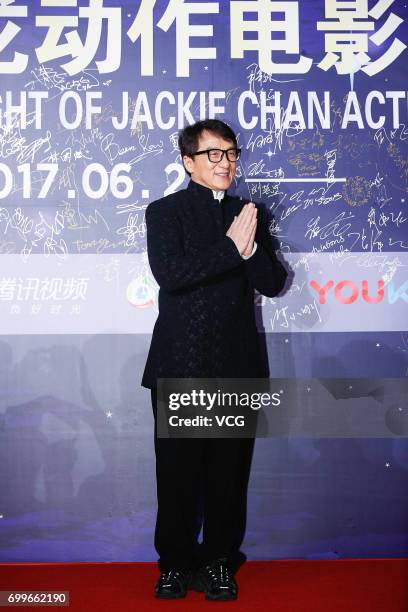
[[222, 174]]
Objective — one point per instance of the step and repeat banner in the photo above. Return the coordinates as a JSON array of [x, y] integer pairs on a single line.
[[92, 96]]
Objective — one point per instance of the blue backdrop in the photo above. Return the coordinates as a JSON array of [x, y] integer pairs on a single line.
[[77, 300]]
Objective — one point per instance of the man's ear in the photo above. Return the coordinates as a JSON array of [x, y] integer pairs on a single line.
[[188, 163]]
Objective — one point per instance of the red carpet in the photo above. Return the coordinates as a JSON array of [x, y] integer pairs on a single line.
[[347, 585]]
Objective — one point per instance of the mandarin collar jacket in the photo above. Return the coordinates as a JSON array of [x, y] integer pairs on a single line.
[[206, 324]]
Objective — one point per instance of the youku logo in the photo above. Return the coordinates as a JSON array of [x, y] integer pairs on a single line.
[[347, 292]]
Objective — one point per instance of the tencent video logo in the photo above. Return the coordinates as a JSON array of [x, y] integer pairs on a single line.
[[347, 292], [141, 292]]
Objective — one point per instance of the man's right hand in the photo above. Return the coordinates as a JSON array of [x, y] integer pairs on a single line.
[[241, 229]]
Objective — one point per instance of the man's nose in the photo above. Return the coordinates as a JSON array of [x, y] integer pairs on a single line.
[[225, 163]]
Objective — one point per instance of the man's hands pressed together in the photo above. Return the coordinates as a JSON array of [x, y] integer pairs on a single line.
[[242, 229]]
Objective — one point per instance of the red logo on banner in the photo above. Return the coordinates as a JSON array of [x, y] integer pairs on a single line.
[[340, 291]]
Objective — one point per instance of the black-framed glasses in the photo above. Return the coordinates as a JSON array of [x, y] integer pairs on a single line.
[[216, 155]]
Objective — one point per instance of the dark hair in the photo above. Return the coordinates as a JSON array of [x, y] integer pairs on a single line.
[[189, 136]]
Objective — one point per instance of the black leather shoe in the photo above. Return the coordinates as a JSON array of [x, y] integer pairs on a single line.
[[216, 581], [172, 584]]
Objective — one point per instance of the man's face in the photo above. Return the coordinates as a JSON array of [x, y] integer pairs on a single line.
[[217, 176]]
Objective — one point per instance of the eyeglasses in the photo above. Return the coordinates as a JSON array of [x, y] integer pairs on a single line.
[[216, 155]]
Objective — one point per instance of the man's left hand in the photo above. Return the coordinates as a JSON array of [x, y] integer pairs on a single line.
[[250, 245]]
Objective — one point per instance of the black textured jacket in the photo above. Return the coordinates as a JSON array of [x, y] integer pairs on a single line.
[[206, 325]]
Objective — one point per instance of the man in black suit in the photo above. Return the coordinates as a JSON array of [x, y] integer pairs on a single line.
[[208, 251]]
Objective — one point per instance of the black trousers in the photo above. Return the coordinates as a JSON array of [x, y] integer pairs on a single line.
[[200, 482]]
